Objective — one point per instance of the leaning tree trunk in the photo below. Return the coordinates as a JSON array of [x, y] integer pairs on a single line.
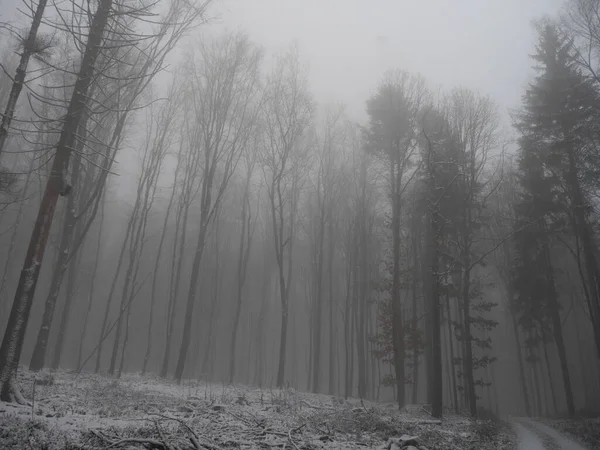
[[176, 266], [29, 48], [65, 256], [157, 267], [14, 236], [111, 294], [191, 300], [12, 343]]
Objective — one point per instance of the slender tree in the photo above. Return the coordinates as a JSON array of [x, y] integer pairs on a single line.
[[287, 114], [224, 82], [57, 185]]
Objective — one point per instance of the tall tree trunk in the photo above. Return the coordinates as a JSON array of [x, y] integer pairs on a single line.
[[522, 378], [452, 357], [580, 350], [191, 300], [318, 296], [467, 339], [12, 343], [347, 326], [111, 293], [415, 322], [243, 257], [14, 236], [361, 300], [332, 334], [157, 267], [590, 250], [206, 367], [126, 337], [29, 49], [434, 310], [558, 333], [260, 330], [548, 370], [64, 318], [91, 289], [64, 257], [397, 322], [176, 270]]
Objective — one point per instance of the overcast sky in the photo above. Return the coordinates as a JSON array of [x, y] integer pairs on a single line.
[[482, 44], [348, 44]]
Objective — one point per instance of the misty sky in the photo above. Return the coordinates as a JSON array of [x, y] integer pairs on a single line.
[[482, 44]]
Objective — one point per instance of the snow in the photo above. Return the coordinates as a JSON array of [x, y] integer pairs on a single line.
[[100, 411], [534, 435], [527, 440]]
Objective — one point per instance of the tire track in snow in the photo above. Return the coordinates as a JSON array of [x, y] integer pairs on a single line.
[[533, 435]]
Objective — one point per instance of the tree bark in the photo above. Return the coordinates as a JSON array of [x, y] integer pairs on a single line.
[[332, 334], [176, 266], [91, 290], [558, 333], [519, 349], [12, 343], [21, 72], [467, 341], [64, 257], [191, 300], [64, 318], [157, 267], [243, 257], [397, 323]]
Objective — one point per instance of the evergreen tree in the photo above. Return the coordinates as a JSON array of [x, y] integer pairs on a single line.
[[556, 129]]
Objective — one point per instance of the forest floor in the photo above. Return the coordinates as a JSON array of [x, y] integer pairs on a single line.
[[98, 412], [585, 430]]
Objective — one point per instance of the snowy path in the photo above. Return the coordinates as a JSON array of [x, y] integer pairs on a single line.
[[533, 435]]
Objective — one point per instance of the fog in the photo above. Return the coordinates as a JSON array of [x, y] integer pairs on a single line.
[[349, 45], [393, 201]]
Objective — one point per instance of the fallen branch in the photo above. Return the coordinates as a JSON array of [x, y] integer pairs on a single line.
[[290, 435], [304, 402]]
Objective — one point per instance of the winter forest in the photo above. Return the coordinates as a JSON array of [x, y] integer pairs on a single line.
[[194, 238]]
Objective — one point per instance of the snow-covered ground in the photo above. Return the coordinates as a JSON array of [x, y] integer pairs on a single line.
[[93, 412], [534, 435]]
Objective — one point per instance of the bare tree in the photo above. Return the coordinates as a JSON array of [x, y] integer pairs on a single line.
[[12, 343], [473, 121], [188, 191], [287, 114], [32, 45], [325, 185], [158, 260], [159, 136], [248, 222], [224, 84]]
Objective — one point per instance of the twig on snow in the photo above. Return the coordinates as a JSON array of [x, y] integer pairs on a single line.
[[290, 435]]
